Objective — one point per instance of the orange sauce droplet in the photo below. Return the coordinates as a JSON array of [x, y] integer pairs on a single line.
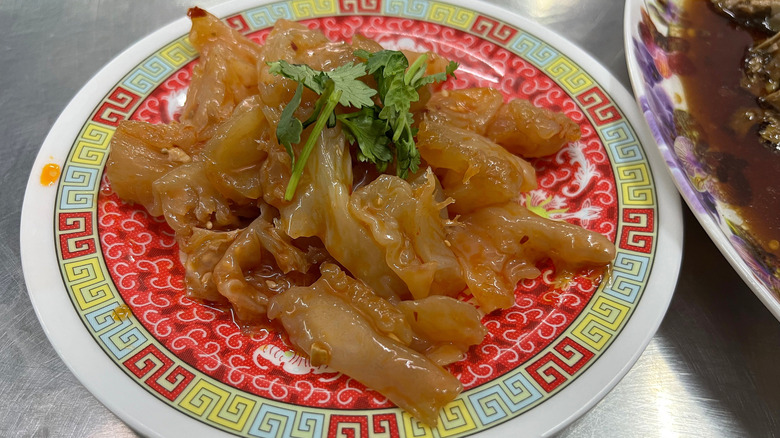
[[121, 312], [50, 174]]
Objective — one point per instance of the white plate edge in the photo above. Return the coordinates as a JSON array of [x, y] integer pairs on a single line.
[[51, 317]]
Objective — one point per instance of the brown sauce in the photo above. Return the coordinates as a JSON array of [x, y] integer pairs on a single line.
[[748, 171]]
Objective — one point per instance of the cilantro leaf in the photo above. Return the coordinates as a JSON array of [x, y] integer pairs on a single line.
[[345, 77], [407, 155], [436, 77], [398, 97], [362, 53], [450, 69], [369, 132], [354, 92], [390, 62], [301, 73], [289, 129]]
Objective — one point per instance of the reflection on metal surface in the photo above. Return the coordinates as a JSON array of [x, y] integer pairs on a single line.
[[660, 397], [672, 391], [545, 11]]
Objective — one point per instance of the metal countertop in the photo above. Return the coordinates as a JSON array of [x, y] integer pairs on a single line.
[[710, 370]]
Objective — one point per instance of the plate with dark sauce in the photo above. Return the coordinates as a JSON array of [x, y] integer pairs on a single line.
[[704, 74]]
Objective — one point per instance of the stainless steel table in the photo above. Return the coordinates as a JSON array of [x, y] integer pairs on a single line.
[[711, 370]]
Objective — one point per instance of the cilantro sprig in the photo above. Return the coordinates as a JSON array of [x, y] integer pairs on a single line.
[[338, 86], [375, 126], [397, 85]]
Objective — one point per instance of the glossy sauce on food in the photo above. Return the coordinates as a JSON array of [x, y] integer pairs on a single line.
[[361, 270], [748, 171]]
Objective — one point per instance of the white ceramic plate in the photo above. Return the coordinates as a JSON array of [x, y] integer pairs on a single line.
[[106, 284], [694, 179]]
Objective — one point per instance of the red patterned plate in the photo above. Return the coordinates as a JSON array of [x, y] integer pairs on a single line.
[[112, 298]]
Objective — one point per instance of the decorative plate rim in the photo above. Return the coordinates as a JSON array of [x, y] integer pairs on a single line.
[[136, 406], [704, 216]]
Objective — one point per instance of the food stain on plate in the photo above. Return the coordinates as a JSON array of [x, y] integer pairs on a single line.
[[50, 174], [121, 312]]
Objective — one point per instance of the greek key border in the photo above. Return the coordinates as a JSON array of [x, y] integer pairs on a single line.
[[99, 305]]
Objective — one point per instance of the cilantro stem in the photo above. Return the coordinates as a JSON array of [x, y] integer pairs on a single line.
[[402, 126], [322, 119], [412, 70]]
